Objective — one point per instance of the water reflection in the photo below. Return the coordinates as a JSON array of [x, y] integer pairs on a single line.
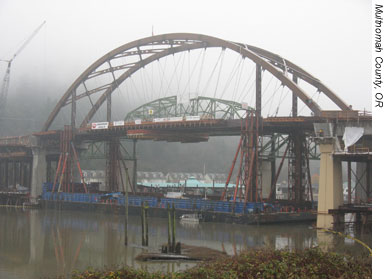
[[36, 243]]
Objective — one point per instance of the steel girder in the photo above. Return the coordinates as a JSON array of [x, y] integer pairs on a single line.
[[150, 49]]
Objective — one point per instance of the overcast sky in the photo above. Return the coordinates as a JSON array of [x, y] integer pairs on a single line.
[[330, 39]]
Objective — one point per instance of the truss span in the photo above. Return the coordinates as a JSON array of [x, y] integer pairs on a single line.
[[140, 53], [204, 107]]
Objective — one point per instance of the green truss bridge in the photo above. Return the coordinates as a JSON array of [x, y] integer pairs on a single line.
[[205, 107]]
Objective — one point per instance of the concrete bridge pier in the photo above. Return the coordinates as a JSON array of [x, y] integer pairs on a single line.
[[39, 172], [330, 184]]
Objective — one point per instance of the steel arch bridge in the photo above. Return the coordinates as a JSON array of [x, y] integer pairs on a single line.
[[120, 64], [91, 95]]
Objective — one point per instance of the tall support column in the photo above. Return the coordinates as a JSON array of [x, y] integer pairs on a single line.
[[29, 177], [297, 167], [298, 189], [14, 174], [349, 172], [73, 110], [369, 181], [330, 185], [21, 173], [257, 141], [134, 165], [272, 159], [259, 161], [6, 173], [294, 98], [67, 180], [109, 107], [1, 173], [112, 164], [39, 169], [258, 89]]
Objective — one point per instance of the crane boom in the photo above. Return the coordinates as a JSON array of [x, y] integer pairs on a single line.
[[4, 89], [28, 40], [5, 85]]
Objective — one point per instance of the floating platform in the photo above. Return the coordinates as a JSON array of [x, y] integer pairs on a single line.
[[206, 215], [252, 213]]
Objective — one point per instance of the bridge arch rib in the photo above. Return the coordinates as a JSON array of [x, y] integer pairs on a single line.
[[167, 44]]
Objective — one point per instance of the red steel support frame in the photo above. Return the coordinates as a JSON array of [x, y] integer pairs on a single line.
[[64, 171], [294, 98], [239, 174], [231, 171], [57, 172], [127, 173], [78, 167], [309, 179]]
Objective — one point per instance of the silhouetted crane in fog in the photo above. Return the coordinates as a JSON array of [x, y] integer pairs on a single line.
[[5, 85]]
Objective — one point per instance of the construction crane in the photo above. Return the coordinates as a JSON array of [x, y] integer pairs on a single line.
[[5, 85]]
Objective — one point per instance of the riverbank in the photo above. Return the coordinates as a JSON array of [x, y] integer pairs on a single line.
[[309, 263]]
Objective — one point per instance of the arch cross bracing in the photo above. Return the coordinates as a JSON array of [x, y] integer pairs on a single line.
[[147, 50]]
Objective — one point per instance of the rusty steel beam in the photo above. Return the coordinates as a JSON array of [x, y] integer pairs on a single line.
[[258, 89], [14, 154], [294, 99], [73, 110], [230, 171], [290, 67]]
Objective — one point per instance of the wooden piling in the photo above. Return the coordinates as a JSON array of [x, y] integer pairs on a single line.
[[126, 217], [169, 228], [142, 224], [146, 222], [173, 228]]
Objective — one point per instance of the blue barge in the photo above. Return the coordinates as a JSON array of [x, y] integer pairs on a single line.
[[210, 211]]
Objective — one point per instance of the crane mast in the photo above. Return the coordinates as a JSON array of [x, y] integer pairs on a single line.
[[5, 85]]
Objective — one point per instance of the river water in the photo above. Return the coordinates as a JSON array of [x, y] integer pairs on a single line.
[[48, 243]]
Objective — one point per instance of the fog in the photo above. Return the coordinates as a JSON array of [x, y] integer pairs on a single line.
[[329, 39]]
